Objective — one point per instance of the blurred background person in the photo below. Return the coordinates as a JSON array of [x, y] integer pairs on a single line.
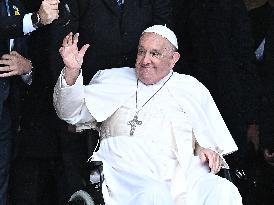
[[14, 23], [218, 50], [113, 28], [261, 14], [50, 158]]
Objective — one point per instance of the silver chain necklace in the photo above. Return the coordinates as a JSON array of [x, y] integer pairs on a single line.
[[134, 122]]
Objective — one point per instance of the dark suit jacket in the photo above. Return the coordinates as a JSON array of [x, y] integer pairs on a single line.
[[41, 128], [113, 33], [216, 47], [267, 108], [11, 27]]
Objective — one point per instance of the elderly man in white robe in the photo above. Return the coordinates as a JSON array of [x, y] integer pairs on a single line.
[[162, 138]]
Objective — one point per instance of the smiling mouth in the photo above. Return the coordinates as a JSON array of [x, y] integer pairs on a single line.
[[146, 67]]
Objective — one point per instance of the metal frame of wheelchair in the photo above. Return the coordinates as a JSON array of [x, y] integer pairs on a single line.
[[92, 195]]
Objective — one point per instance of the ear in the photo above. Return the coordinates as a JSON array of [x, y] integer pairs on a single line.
[[175, 58]]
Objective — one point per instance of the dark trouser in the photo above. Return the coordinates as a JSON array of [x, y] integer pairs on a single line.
[[265, 184], [48, 180], [74, 164], [5, 153], [33, 182]]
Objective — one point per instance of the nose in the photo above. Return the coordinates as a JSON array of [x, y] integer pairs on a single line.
[[146, 59]]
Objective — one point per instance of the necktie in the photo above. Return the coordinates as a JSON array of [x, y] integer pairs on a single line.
[[7, 7], [10, 43]]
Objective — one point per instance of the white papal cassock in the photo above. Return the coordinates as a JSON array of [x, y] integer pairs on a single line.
[[156, 165]]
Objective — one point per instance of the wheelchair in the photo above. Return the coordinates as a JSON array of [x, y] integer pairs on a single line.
[[92, 194]]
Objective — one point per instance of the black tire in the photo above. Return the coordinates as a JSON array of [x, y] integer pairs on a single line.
[[81, 198]]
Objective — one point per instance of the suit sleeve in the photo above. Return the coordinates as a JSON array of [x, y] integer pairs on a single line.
[[162, 12], [11, 26]]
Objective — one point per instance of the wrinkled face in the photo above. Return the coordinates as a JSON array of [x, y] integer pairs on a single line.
[[155, 58]]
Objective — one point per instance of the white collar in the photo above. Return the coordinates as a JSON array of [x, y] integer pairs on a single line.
[[158, 84]]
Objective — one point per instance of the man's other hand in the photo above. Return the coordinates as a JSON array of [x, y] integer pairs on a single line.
[[14, 64], [269, 157], [212, 158], [48, 11]]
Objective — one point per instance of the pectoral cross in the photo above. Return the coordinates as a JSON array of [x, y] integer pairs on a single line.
[[133, 123]]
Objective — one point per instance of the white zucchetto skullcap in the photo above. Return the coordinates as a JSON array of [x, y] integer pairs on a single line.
[[164, 32]]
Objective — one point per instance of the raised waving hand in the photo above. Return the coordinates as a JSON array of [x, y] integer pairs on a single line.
[[72, 57]]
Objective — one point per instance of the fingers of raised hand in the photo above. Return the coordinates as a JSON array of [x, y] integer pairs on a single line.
[[79, 57], [70, 39], [83, 50], [67, 40], [75, 38], [72, 57]]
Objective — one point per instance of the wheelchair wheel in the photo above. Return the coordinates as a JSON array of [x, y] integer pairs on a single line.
[[81, 198]]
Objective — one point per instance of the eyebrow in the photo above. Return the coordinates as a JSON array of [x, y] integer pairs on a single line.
[[153, 50]]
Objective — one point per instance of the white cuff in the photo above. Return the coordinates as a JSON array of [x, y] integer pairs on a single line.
[[27, 78], [63, 81], [27, 24]]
